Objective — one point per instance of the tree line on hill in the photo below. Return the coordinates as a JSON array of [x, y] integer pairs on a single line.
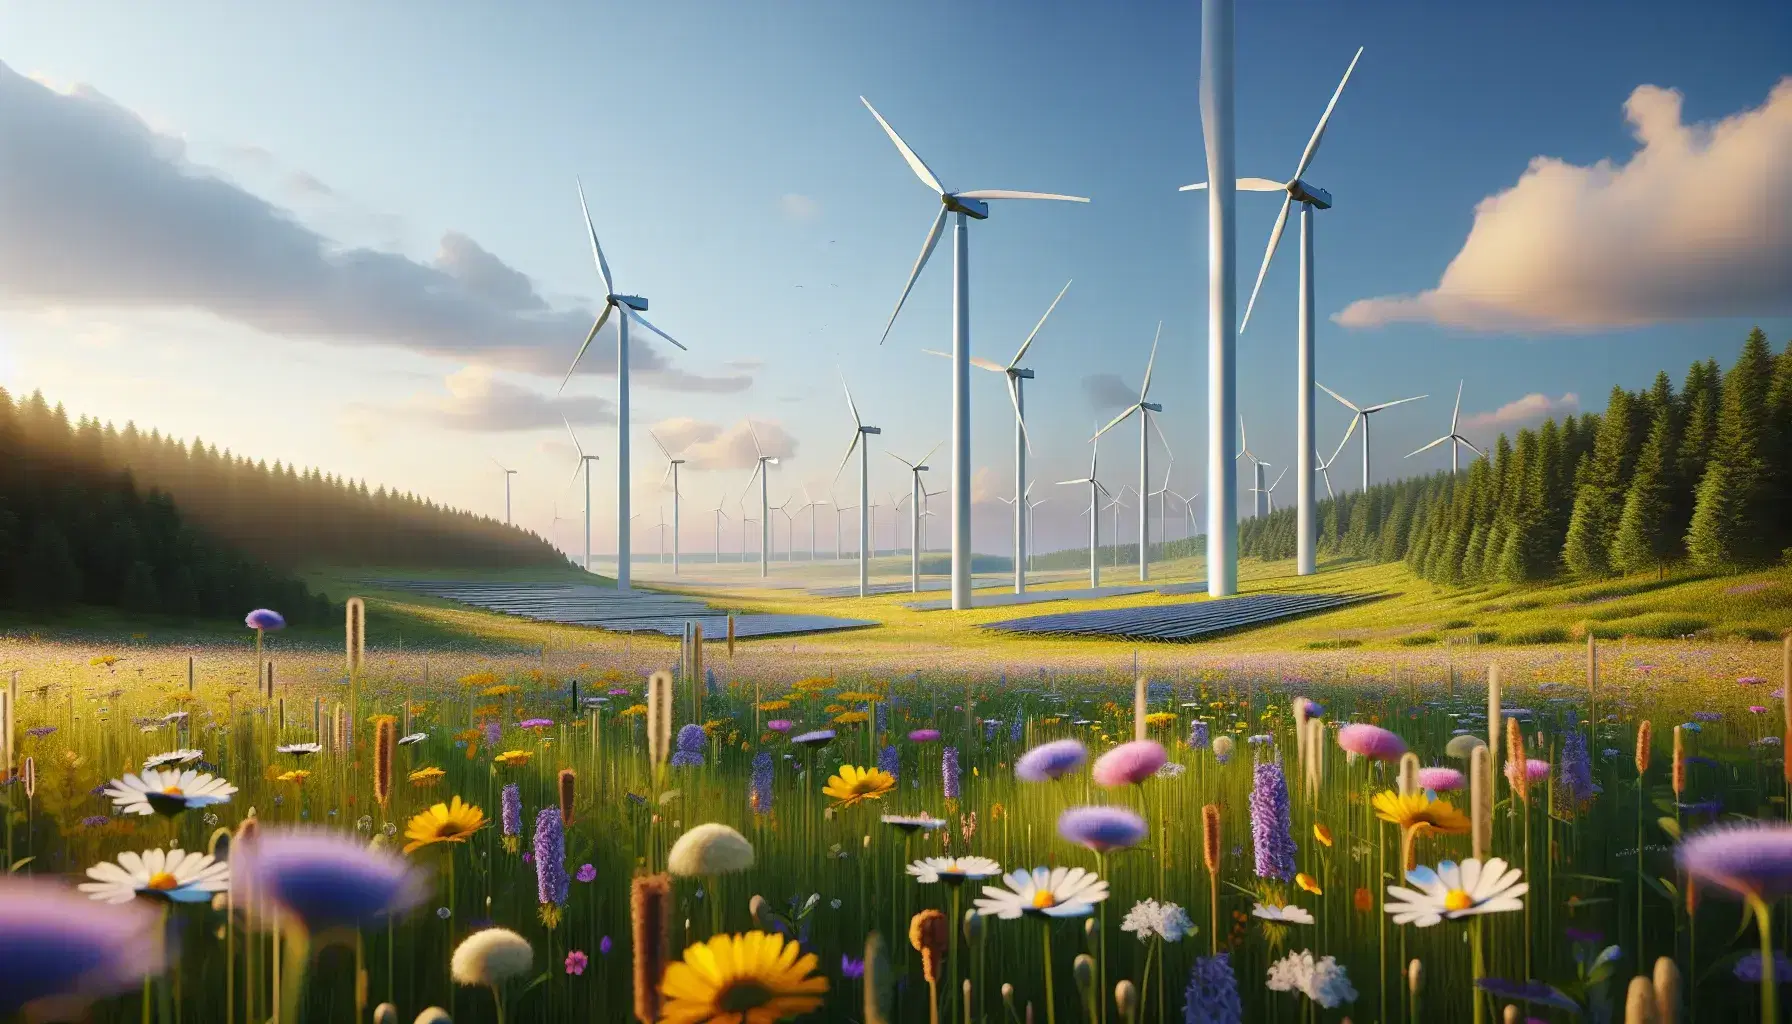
[[93, 514], [1701, 476]]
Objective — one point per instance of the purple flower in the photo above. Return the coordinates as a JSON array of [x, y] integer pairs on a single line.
[[779, 725], [55, 942], [1751, 861], [536, 723], [949, 772], [1197, 736], [551, 885], [889, 761], [620, 691], [850, 968], [587, 873], [1577, 769], [323, 880], [493, 733], [510, 810], [1749, 968], [816, 739], [40, 731], [604, 945], [923, 735], [576, 962], [264, 619], [1440, 780], [1705, 716], [1212, 993], [1537, 992], [1102, 829], [95, 820], [1270, 825], [1016, 729], [1129, 763], [1050, 761], [690, 737], [1371, 741], [759, 785]]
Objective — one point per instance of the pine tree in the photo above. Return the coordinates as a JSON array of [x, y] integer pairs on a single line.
[[1779, 456], [1646, 536], [49, 576], [138, 592], [1732, 522], [1599, 497]]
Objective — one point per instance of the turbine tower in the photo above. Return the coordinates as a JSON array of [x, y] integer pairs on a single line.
[[1144, 409], [508, 473], [1162, 492], [629, 307], [1311, 197], [1222, 299], [1362, 416], [860, 433], [811, 505], [1457, 439], [672, 465], [765, 506], [1269, 493], [962, 206], [1094, 511], [1023, 444], [916, 501], [584, 462], [720, 515]]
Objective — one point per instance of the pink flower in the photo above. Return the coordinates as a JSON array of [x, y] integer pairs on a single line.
[[1129, 763], [1440, 780], [576, 961], [1756, 709], [778, 725], [1371, 741]]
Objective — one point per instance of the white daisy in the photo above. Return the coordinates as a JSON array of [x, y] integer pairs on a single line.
[[1454, 891], [416, 737], [299, 749], [1289, 914], [1148, 919], [911, 822], [163, 874], [953, 870], [182, 756], [1053, 892], [159, 791]]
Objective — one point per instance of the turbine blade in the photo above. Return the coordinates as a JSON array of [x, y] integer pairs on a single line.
[[1261, 185], [667, 475], [757, 466], [1035, 332], [1319, 132], [1389, 405], [1430, 446], [755, 432], [905, 462], [575, 438], [933, 237], [575, 475], [915, 162], [1471, 445], [923, 459], [1197, 186], [1166, 443], [1327, 477], [1275, 239], [638, 318], [1354, 420], [1014, 400], [1116, 420], [1339, 397], [1007, 193], [1279, 477], [603, 265], [983, 364], [856, 422], [1458, 410], [1244, 445], [1151, 362], [598, 326], [650, 433], [936, 352]]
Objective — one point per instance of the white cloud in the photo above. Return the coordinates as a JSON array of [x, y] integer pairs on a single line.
[[475, 400], [705, 445], [986, 487], [1532, 408], [799, 207], [1693, 225]]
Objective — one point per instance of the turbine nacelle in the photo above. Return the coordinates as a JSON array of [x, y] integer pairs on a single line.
[[634, 302], [1152, 406], [1303, 191], [1021, 372], [974, 208]]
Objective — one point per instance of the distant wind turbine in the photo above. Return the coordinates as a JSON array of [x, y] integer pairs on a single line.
[[961, 205], [916, 511], [672, 465], [720, 515], [508, 473], [765, 506], [1144, 409], [584, 462], [1094, 511], [1269, 493], [1362, 416], [1454, 439], [1257, 466], [861, 442]]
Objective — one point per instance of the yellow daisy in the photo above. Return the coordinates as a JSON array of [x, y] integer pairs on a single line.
[[426, 776], [754, 978], [1415, 811], [851, 717], [453, 822], [773, 705], [1159, 719], [513, 758], [854, 784], [297, 776]]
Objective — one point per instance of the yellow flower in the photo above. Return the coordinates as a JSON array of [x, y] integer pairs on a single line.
[[297, 776], [858, 696], [443, 823], [632, 711], [500, 691], [1323, 834], [854, 784], [754, 978], [1415, 811], [479, 679], [486, 711], [773, 705], [426, 776], [514, 758], [1159, 719], [107, 660], [1307, 882], [851, 717], [834, 709], [375, 720]]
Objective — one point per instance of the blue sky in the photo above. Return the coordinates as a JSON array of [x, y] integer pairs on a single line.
[[728, 162]]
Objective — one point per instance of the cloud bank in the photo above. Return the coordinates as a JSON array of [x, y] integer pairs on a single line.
[[1532, 408], [706, 445], [98, 209], [1694, 225], [476, 401]]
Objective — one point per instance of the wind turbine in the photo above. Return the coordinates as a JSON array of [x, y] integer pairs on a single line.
[[662, 529], [860, 434], [584, 462], [1325, 466], [554, 527], [765, 507], [1144, 409], [1094, 511], [1015, 374], [959, 205], [1032, 521], [1269, 493], [789, 526], [1116, 505], [915, 469], [839, 510], [630, 307], [1311, 197], [1453, 436], [1169, 464], [812, 505], [1257, 466], [1362, 416], [1188, 514], [672, 465], [508, 473], [720, 515]]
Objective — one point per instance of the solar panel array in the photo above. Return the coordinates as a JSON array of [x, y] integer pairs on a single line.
[[1172, 589], [902, 587], [1030, 597], [1186, 621], [631, 611]]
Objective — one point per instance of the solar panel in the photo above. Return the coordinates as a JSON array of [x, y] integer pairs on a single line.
[[1187, 621], [1030, 597]]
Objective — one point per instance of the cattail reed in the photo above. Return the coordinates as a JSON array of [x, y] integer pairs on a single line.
[[659, 718], [1679, 762], [1480, 801], [1139, 707], [385, 742], [1315, 747], [355, 634], [1126, 1000], [1210, 858], [1516, 775], [30, 777], [1493, 721], [1512, 1015], [1409, 773], [880, 982], [565, 788], [1415, 982], [1667, 990], [650, 915], [1645, 736], [1300, 733], [929, 933], [1639, 1002]]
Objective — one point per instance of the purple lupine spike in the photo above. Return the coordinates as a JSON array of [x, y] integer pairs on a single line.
[[1270, 824], [551, 884], [949, 772], [510, 805], [759, 786], [1197, 735], [889, 761]]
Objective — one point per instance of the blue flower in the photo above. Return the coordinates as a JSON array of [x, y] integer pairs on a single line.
[[1212, 993]]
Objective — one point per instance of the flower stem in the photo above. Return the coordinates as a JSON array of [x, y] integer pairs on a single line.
[[1051, 1002], [1769, 986], [1478, 970]]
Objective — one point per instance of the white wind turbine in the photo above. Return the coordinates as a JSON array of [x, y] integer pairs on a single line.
[[631, 307], [789, 529], [1269, 493], [672, 465], [720, 515], [1257, 467], [765, 507], [812, 505], [1455, 439], [1094, 513], [1146, 423], [662, 530], [861, 442], [1015, 375], [1362, 416], [960, 205], [584, 462], [916, 510], [1163, 528], [839, 510], [1311, 197], [1115, 506], [1188, 514], [1032, 521], [508, 473]]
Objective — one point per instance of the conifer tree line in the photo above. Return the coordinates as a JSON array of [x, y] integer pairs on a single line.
[[1699, 476], [97, 515]]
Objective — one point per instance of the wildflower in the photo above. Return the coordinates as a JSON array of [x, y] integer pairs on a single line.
[[1324, 981], [1362, 899], [753, 977], [551, 884], [1309, 883], [690, 747], [586, 873], [1462, 745], [814, 740], [1053, 892], [929, 933], [853, 784], [1752, 861], [1132, 763], [1289, 914], [426, 776], [182, 756], [1149, 918], [173, 875], [889, 761], [1417, 811], [759, 784], [490, 957], [514, 758], [1270, 825], [851, 969], [453, 822], [576, 962], [264, 619], [949, 777], [711, 849], [1528, 992], [1197, 735], [953, 870], [54, 943], [1322, 834], [1051, 760], [1749, 968], [537, 724], [1453, 891], [413, 738], [297, 776], [1577, 770], [1222, 749], [1212, 994], [167, 792], [1102, 829], [321, 880], [1371, 741], [1441, 780]]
